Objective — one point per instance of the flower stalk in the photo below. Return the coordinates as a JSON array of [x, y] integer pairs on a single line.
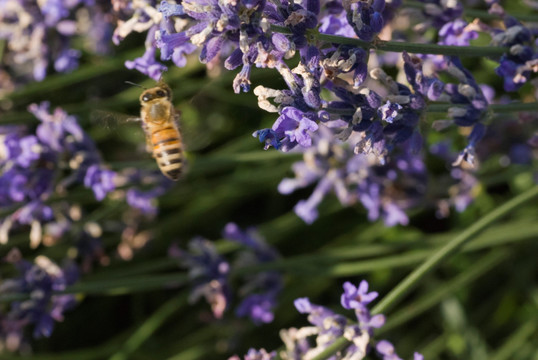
[[396, 46], [406, 285], [436, 259]]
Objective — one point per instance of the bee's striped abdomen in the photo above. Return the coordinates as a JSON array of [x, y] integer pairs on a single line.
[[167, 149]]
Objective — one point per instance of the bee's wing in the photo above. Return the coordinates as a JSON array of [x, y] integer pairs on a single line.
[[192, 135], [110, 119]]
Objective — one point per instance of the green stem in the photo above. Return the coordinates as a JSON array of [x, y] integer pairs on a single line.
[[443, 108], [495, 108], [396, 46], [348, 261], [481, 14], [150, 326], [509, 349], [483, 266], [127, 285], [136, 269], [336, 346], [411, 281], [431, 263], [83, 73], [3, 43]]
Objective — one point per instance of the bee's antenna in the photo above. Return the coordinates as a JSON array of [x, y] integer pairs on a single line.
[[132, 83], [161, 77]]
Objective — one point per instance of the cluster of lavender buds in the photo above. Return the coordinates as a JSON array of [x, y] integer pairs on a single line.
[[40, 308], [38, 169], [40, 34], [35, 168], [326, 326], [210, 274], [361, 131]]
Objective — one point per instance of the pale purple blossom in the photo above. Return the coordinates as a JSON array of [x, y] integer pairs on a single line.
[[147, 64], [41, 34], [457, 33], [209, 274], [41, 281], [357, 297], [32, 164]]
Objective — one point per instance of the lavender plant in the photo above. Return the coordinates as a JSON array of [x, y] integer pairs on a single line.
[[40, 35], [326, 326], [211, 274], [40, 282], [335, 98]]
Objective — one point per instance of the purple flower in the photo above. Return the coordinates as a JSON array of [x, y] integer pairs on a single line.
[[242, 80], [357, 177], [367, 20], [33, 163], [146, 200], [335, 21], [143, 201], [295, 17], [169, 10], [29, 151], [457, 33], [235, 26], [386, 349], [468, 154], [67, 61], [269, 137], [55, 127], [357, 297], [389, 111], [251, 239], [378, 206], [327, 321], [472, 104], [208, 271], [254, 354], [307, 209], [346, 59], [520, 154], [100, 180], [367, 322], [261, 290], [175, 46], [34, 210], [147, 64], [517, 65], [43, 33], [296, 126], [328, 326], [42, 308], [209, 274], [439, 12], [259, 307], [428, 86]]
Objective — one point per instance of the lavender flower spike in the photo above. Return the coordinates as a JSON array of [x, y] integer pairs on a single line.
[[43, 308]]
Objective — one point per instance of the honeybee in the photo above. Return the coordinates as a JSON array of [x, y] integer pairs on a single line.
[[159, 121]]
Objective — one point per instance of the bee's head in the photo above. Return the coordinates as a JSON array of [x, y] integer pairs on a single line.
[[161, 91]]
